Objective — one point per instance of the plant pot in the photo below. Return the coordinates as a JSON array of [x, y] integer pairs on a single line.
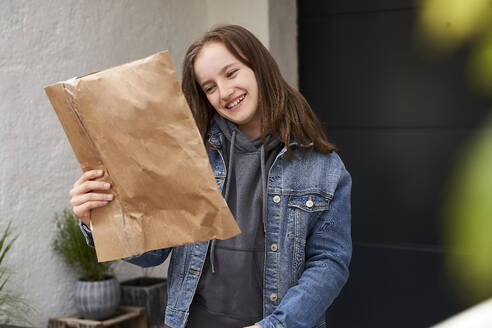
[[97, 300], [149, 293]]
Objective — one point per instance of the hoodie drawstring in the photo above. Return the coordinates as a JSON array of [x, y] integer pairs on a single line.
[[226, 194]]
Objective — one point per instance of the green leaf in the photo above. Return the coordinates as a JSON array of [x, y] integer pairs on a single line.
[[5, 235], [13, 308]]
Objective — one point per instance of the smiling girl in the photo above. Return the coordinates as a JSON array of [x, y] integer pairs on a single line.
[[283, 181]]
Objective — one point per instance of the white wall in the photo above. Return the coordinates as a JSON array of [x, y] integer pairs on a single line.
[[43, 42]]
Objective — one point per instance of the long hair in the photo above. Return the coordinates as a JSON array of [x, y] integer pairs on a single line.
[[284, 112]]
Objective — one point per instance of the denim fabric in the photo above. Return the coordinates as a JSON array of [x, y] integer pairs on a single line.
[[307, 244]]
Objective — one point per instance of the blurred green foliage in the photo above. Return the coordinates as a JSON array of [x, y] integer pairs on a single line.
[[467, 224], [444, 26]]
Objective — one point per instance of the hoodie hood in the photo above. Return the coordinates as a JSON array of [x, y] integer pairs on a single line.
[[241, 143]]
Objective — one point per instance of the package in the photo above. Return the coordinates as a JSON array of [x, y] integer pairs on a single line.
[[133, 122]]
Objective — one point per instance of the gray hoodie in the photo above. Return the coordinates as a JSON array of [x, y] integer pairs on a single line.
[[230, 290]]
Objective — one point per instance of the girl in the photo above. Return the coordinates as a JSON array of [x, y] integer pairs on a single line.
[[285, 185]]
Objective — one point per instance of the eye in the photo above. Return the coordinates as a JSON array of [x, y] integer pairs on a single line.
[[231, 73], [209, 89]]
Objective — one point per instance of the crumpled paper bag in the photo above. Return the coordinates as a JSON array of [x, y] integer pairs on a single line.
[[133, 122]]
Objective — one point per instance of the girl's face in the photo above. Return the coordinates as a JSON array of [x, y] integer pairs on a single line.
[[230, 86]]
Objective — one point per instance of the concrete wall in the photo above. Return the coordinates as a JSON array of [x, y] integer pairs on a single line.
[[47, 41], [282, 29], [252, 14]]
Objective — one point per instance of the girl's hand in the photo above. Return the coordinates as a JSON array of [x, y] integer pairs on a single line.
[[83, 199]]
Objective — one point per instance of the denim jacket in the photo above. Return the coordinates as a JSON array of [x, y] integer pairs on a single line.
[[307, 242]]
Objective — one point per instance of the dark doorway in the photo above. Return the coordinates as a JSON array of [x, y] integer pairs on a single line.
[[399, 118]]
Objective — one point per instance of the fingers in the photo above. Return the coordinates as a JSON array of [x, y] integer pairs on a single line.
[[83, 211], [88, 186], [84, 198], [89, 175]]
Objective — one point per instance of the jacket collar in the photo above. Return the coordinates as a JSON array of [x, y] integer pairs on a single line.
[[215, 137]]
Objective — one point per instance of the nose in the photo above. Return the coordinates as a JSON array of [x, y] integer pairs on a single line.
[[225, 91]]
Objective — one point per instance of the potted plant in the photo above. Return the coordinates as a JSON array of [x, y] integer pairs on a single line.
[[13, 308], [97, 292]]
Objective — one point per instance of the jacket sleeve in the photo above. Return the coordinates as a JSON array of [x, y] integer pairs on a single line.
[[328, 253], [87, 234], [147, 259]]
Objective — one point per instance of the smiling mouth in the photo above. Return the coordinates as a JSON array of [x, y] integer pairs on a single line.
[[236, 102]]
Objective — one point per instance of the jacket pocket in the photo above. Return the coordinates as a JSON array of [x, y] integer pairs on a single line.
[[304, 209], [310, 202]]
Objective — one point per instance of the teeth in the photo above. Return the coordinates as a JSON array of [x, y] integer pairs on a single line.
[[236, 102]]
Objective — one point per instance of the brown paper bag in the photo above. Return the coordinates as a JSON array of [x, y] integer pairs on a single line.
[[133, 122]]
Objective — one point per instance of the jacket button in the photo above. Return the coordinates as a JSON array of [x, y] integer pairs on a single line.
[[276, 199], [309, 203], [273, 297], [274, 247]]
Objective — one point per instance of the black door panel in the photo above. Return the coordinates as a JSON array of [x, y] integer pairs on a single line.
[[400, 119]]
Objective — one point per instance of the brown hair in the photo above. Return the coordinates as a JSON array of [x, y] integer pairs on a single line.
[[283, 110]]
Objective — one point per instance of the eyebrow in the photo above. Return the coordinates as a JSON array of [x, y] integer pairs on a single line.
[[222, 70]]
